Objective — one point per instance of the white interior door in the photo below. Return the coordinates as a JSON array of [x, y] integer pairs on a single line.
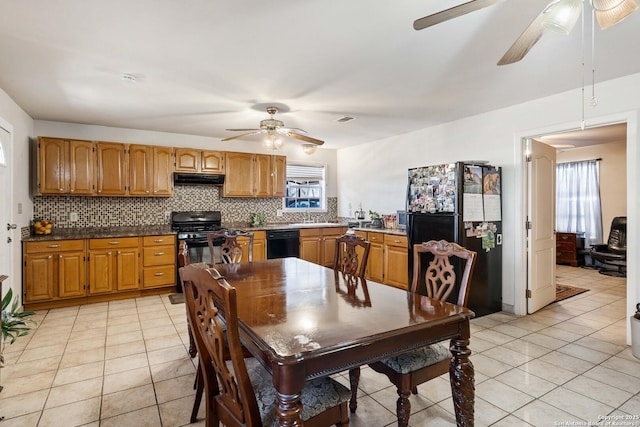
[[5, 206], [541, 213]]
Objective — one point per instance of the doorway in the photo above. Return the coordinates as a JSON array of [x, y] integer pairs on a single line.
[[6, 221], [606, 143]]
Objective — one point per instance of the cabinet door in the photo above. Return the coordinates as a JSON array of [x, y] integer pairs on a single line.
[[187, 160], [101, 272], [71, 274], [38, 277], [140, 170], [127, 269], [81, 167], [310, 248], [259, 250], [239, 175], [279, 175], [396, 267], [376, 263], [53, 171], [329, 237], [162, 171], [112, 169], [262, 175], [212, 161]]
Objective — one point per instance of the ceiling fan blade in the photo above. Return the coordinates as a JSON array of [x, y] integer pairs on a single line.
[[242, 130], [241, 135], [525, 42], [453, 12], [287, 130], [305, 138]]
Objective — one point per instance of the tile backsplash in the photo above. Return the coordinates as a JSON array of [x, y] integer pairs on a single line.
[[135, 211]]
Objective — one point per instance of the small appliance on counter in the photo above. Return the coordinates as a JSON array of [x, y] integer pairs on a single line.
[[359, 224]]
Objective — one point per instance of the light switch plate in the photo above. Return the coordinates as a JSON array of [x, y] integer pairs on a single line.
[[279, 212], [73, 216]]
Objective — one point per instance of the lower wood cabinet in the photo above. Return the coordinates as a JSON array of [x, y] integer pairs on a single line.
[[77, 271], [318, 245], [259, 246], [388, 258]]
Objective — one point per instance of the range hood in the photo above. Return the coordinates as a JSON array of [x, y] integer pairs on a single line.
[[197, 178]]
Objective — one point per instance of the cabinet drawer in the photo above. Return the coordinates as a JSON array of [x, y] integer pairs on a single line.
[[158, 240], [158, 276], [54, 246], [307, 232], [159, 255], [116, 242], [375, 237], [395, 240]]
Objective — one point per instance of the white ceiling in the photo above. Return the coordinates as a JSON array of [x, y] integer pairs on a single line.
[[206, 65]]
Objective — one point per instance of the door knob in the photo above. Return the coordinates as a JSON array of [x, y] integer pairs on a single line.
[[11, 226]]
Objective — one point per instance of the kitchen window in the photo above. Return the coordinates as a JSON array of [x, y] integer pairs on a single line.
[[305, 187]]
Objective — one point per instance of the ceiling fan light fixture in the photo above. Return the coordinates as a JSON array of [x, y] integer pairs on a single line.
[[610, 12], [562, 16], [309, 148], [273, 141]]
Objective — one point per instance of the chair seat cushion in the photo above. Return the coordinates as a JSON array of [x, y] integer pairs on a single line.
[[317, 396], [418, 359]]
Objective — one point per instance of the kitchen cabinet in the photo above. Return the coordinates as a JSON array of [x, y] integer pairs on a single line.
[[150, 170], [158, 261], [112, 177], [113, 265], [254, 175], [65, 166], [203, 161], [53, 270], [388, 258], [259, 246], [318, 245], [396, 258]]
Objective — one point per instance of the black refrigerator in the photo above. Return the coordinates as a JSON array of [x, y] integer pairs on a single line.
[[460, 202]]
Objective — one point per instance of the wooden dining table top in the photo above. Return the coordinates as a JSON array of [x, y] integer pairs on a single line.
[[291, 309]]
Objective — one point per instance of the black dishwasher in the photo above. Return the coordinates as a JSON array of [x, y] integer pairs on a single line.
[[283, 243]]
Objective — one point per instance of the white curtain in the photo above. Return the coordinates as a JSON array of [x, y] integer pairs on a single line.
[[578, 200]]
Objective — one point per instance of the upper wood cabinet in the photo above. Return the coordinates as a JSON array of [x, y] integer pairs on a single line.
[[112, 168], [254, 175], [65, 166], [150, 170], [205, 161]]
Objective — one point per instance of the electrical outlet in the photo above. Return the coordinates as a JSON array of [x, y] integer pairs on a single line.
[[279, 212], [167, 216], [73, 216]]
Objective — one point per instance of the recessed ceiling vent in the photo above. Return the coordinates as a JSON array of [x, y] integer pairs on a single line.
[[344, 119]]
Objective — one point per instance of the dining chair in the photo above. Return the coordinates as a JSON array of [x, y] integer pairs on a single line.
[[240, 392], [351, 255], [411, 369], [350, 261], [230, 250]]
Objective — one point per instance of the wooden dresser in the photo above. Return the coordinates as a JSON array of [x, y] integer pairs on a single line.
[[567, 248]]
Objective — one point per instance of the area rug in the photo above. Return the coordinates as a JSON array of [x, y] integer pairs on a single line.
[[176, 298], [567, 291]]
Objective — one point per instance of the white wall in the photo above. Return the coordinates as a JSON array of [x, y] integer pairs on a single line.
[[22, 129], [291, 149], [613, 175], [375, 173]]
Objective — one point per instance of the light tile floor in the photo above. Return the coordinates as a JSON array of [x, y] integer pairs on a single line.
[[124, 363]]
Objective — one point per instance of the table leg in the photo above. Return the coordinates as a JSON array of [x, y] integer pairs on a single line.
[[288, 410], [462, 382]]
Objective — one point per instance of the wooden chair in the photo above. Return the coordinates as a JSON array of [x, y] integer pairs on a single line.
[[230, 252], [411, 369], [346, 259], [347, 263], [243, 394]]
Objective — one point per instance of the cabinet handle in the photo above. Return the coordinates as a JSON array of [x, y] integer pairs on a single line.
[[119, 253], [159, 274], [396, 241], [53, 246], [146, 191], [159, 253], [72, 190], [50, 257], [114, 243], [60, 189], [59, 256], [109, 253], [158, 240]]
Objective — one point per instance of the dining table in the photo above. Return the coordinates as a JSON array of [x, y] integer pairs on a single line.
[[303, 321]]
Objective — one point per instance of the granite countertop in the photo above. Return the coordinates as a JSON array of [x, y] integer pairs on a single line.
[[100, 232], [288, 226]]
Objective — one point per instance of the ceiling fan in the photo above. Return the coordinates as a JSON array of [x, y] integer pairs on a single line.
[[273, 128], [558, 15]]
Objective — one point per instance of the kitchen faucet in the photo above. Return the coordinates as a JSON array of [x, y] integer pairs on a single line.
[[307, 216]]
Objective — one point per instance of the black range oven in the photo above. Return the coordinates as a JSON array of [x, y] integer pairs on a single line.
[[193, 227]]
